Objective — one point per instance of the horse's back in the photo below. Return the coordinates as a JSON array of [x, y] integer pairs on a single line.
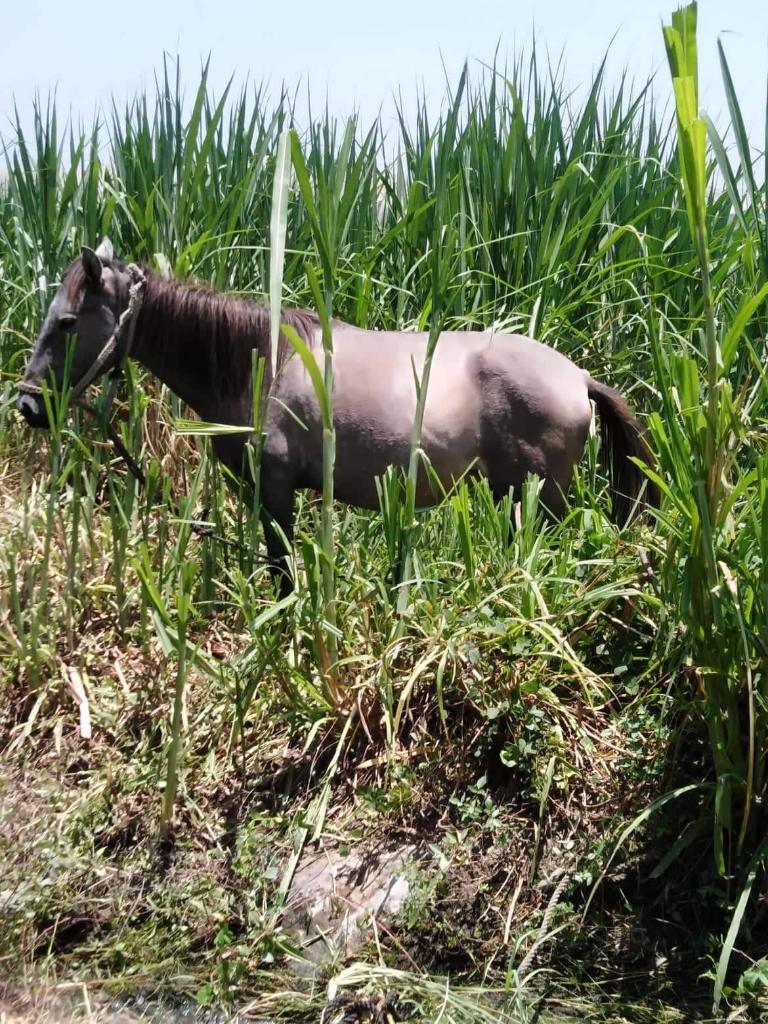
[[469, 369], [497, 403]]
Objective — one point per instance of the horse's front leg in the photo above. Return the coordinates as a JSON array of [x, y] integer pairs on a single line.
[[277, 516]]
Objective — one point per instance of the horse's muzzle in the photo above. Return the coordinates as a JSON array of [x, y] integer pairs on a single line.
[[32, 409]]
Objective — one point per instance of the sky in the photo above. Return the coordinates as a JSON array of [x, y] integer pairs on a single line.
[[357, 53]]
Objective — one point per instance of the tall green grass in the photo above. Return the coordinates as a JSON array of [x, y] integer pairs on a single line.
[[702, 447], [601, 228]]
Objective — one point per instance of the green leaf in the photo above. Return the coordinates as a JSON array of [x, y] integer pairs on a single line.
[[757, 863], [310, 365], [636, 822], [743, 315], [277, 231], [302, 176]]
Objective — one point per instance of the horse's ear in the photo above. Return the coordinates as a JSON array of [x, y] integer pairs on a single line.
[[92, 265], [105, 250]]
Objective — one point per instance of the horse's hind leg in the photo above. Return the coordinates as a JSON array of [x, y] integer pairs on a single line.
[[500, 493], [551, 501], [277, 516], [278, 554], [552, 498]]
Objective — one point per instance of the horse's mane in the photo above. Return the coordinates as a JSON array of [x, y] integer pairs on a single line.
[[213, 332]]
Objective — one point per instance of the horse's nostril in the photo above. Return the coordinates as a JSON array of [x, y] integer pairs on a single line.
[[32, 410], [26, 405]]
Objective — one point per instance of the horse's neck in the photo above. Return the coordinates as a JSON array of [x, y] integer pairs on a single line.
[[167, 333]]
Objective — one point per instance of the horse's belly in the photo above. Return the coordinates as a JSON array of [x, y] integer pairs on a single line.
[[367, 445], [374, 410]]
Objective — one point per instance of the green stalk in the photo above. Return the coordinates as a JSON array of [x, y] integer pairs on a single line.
[[412, 477], [701, 451], [339, 178], [187, 574], [442, 258], [329, 461], [172, 769], [707, 443], [324, 304]]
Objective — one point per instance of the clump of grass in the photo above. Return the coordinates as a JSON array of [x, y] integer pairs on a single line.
[[700, 439]]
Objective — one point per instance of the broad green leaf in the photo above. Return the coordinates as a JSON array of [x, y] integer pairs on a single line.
[[277, 231], [310, 365], [743, 315]]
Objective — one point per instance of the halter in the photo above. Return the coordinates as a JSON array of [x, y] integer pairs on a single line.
[[121, 341], [124, 332]]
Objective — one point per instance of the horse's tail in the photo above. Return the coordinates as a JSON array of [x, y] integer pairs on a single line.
[[622, 438]]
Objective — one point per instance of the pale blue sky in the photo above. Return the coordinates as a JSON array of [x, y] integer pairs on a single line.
[[357, 51]]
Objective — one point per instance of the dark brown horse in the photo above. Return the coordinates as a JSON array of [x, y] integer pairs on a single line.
[[499, 404]]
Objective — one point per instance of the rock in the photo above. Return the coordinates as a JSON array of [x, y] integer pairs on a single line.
[[334, 896]]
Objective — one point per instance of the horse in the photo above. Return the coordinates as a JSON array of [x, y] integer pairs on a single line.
[[499, 404]]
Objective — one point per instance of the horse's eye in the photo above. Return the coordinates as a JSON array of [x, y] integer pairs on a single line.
[[67, 321]]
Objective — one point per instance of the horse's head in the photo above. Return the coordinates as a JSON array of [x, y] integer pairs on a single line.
[[86, 308]]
